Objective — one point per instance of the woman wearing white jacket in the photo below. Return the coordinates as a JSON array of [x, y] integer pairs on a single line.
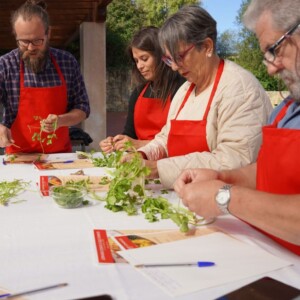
[[215, 118]]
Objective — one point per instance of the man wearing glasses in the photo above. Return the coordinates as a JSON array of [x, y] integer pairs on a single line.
[[265, 194], [41, 88]]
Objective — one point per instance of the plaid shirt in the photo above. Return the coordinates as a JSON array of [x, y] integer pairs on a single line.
[[10, 82]]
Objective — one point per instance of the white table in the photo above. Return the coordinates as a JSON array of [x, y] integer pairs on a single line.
[[42, 244]]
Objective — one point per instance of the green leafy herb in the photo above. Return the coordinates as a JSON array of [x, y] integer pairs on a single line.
[[155, 181], [108, 160], [127, 193], [12, 157], [37, 135], [68, 196], [10, 189], [164, 191], [78, 185], [104, 180]]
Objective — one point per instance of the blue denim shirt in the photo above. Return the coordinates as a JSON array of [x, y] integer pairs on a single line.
[[292, 117]]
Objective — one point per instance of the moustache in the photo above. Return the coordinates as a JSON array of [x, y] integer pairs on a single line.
[[27, 54]]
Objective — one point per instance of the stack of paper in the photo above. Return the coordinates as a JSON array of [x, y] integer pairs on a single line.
[[234, 260]]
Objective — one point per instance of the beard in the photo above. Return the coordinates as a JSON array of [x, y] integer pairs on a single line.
[[292, 81], [37, 62]]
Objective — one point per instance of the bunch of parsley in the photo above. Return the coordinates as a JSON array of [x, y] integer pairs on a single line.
[[127, 193]]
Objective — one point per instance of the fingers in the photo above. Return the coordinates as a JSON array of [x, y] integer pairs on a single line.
[[50, 124], [114, 143], [5, 137], [120, 146], [183, 179], [127, 157], [107, 145], [119, 142]]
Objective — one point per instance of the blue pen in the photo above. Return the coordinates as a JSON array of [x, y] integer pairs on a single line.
[[4, 295], [68, 161], [59, 162], [199, 264]]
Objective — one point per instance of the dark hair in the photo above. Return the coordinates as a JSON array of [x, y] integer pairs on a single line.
[[31, 8], [165, 81], [191, 24]]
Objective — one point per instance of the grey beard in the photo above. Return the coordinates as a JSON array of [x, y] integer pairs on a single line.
[[294, 87], [295, 92]]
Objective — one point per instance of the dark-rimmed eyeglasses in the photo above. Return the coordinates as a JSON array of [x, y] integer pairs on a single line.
[[270, 54], [178, 59], [26, 43]]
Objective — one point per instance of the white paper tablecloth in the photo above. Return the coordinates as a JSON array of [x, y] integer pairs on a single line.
[[42, 244]]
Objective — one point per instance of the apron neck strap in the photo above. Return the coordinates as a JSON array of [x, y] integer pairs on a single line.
[[282, 113], [212, 94]]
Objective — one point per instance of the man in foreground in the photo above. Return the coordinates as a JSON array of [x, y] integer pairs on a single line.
[[265, 194]]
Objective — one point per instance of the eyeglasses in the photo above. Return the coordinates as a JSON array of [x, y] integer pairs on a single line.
[[178, 59], [26, 43], [270, 54]]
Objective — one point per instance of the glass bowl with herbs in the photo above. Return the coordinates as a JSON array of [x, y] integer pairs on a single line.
[[68, 196]]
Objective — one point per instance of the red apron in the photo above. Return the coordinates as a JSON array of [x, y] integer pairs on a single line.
[[149, 115], [39, 102], [278, 164], [188, 136]]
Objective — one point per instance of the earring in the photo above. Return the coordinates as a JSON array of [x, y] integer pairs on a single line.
[[209, 54]]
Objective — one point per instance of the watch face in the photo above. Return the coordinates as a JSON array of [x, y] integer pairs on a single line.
[[223, 197]]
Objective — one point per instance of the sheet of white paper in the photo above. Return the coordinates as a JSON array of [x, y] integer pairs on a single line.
[[234, 260]]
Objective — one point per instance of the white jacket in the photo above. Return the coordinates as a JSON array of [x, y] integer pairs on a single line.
[[238, 111]]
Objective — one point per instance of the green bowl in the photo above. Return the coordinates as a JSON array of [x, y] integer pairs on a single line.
[[67, 197]]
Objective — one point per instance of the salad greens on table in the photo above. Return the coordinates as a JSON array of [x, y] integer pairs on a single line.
[[68, 196], [127, 190], [11, 189]]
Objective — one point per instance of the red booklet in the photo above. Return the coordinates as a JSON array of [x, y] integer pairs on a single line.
[[109, 242], [94, 183]]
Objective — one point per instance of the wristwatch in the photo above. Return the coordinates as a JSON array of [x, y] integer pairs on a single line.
[[223, 198]]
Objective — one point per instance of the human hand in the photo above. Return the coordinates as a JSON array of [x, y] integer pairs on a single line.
[[193, 175], [5, 137], [120, 140], [199, 197], [107, 145], [152, 165], [50, 124]]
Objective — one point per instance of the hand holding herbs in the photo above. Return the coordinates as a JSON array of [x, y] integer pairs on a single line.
[[127, 193], [49, 126]]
